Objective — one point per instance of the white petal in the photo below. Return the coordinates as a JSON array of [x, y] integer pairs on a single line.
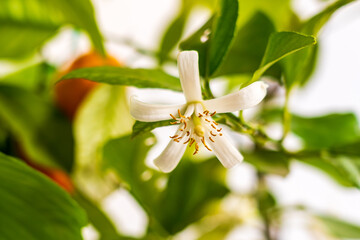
[[245, 98], [152, 112], [188, 64], [227, 154], [171, 155]]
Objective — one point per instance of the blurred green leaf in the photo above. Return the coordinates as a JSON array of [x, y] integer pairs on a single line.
[[333, 167], [326, 131], [190, 187], [339, 228], [33, 207], [103, 115], [279, 11], [313, 25], [269, 161], [98, 218], [280, 45], [173, 202], [26, 25], [34, 78], [145, 127], [42, 132], [175, 30], [299, 66], [248, 47], [142, 78], [212, 40]]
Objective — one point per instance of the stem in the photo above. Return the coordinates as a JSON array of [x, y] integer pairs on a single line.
[[207, 89]]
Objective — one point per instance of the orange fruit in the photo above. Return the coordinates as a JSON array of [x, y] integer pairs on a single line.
[[70, 93]]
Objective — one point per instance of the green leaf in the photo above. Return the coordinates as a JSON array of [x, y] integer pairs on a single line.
[[280, 45], [313, 25], [212, 40], [327, 131], [141, 78], [299, 66], [223, 33], [98, 218], [175, 30], [145, 127], [26, 25], [103, 115], [339, 228], [269, 161], [332, 166], [35, 78], [183, 196], [43, 133], [33, 207], [248, 47]]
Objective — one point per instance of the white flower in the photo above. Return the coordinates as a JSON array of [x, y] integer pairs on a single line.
[[196, 126]]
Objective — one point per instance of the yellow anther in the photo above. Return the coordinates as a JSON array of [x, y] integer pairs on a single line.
[[172, 116], [211, 139]]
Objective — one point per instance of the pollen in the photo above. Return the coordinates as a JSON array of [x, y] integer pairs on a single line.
[[197, 129]]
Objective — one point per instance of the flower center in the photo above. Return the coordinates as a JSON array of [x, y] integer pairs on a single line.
[[195, 129]]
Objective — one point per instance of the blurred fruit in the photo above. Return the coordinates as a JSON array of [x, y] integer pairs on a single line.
[[70, 93]]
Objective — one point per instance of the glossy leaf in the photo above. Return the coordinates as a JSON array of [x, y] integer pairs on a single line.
[[141, 78], [26, 25], [280, 45], [33, 207], [42, 132], [145, 127], [326, 131], [339, 228], [299, 66], [213, 39], [248, 47]]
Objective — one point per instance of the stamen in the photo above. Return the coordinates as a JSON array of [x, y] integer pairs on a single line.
[[174, 122], [196, 148], [213, 114], [172, 116], [206, 112], [200, 115], [175, 136], [207, 120], [203, 141], [220, 134], [187, 133], [215, 123], [180, 113], [187, 141], [191, 142], [214, 127], [219, 130], [211, 139], [214, 135]]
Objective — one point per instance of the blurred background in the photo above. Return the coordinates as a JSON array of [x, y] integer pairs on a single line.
[[133, 32]]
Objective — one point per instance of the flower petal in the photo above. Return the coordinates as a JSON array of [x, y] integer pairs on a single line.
[[227, 154], [188, 64], [171, 155], [152, 112], [245, 98]]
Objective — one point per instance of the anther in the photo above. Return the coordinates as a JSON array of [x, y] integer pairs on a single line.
[[213, 126], [212, 134], [215, 123], [180, 113], [203, 141], [207, 120], [175, 136], [187, 133], [213, 114], [211, 139], [187, 141], [219, 130], [172, 116]]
